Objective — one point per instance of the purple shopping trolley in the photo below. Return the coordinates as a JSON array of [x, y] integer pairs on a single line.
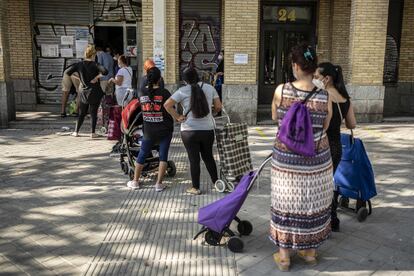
[[217, 216]]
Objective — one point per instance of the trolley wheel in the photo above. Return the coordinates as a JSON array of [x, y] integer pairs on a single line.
[[344, 202], [362, 214], [124, 167], [171, 169], [220, 186], [245, 228], [230, 186], [212, 238], [131, 175], [235, 244], [104, 130]]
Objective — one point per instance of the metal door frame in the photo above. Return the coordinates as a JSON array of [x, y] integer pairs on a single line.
[[280, 29]]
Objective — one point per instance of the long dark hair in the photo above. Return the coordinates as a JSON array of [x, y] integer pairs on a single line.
[[198, 102], [335, 72], [153, 77]]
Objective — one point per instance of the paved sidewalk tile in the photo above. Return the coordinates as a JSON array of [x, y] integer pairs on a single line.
[[65, 210]]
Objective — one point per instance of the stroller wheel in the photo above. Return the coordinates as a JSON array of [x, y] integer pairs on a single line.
[[362, 214], [344, 202], [171, 169], [245, 228], [124, 167], [220, 186], [131, 175], [212, 238], [235, 244]]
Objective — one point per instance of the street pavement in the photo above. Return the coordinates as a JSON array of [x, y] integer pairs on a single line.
[[65, 210]]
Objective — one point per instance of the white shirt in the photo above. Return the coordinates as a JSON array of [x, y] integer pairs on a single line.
[[126, 72]]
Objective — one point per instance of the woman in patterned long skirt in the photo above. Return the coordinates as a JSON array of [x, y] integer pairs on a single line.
[[302, 186]]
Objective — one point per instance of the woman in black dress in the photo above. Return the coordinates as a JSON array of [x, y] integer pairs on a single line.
[[90, 91], [330, 78]]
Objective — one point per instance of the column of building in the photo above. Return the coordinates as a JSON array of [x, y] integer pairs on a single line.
[[406, 61], [7, 111], [368, 31], [241, 56]]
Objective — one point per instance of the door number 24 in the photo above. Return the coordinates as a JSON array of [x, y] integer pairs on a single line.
[[284, 15]]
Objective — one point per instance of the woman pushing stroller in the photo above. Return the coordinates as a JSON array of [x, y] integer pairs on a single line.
[[158, 127]]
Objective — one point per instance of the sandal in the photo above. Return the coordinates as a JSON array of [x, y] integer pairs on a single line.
[[193, 191], [282, 263], [308, 257]]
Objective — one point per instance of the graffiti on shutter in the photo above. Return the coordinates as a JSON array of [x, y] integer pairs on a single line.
[[116, 10]]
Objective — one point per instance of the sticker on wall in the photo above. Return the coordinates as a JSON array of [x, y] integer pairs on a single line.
[[131, 51], [66, 40], [50, 50], [241, 58], [66, 52]]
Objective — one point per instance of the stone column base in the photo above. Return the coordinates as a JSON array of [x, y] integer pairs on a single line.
[[7, 106], [368, 102], [399, 99], [25, 94], [240, 102]]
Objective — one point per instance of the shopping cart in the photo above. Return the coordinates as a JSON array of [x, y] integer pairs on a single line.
[[234, 153]]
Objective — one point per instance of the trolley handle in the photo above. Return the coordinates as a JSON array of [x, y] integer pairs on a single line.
[[224, 115], [259, 170]]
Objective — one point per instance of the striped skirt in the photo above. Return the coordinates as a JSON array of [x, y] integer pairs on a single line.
[[301, 204]]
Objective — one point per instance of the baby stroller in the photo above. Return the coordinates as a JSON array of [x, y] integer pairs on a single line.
[[132, 135], [217, 216], [354, 177], [234, 153]]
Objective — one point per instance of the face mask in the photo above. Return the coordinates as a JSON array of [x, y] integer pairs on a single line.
[[220, 57], [318, 83]]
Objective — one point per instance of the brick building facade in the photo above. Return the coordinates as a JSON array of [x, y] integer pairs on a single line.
[[375, 53]]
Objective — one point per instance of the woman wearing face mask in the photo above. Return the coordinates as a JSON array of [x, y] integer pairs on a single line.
[[219, 77], [301, 186], [329, 77]]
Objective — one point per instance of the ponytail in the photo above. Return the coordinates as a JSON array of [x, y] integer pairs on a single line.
[[198, 102], [153, 77], [339, 82], [335, 72]]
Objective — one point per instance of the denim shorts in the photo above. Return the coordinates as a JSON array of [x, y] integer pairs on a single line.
[[146, 147]]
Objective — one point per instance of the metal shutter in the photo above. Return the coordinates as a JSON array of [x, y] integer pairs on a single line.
[[62, 12], [200, 28]]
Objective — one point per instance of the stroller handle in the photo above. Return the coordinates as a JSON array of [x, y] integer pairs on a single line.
[[259, 170]]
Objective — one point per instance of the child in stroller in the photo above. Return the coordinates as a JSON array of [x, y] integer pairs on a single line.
[[130, 145]]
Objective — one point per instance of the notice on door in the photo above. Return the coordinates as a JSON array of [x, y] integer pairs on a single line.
[[241, 58]]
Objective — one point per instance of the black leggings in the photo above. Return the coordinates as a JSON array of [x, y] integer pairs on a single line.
[[83, 108], [200, 142]]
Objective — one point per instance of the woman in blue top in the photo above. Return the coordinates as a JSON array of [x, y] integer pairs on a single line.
[[197, 127]]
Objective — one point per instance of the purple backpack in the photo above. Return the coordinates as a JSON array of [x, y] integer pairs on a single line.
[[296, 130]]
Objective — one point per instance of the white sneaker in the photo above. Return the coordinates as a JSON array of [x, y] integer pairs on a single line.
[[159, 187], [75, 134], [133, 185]]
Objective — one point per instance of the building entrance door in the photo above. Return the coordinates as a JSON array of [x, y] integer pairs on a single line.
[[277, 39]]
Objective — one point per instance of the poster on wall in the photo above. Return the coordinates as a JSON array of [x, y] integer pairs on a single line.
[[159, 34], [66, 52], [81, 47], [50, 50], [241, 58], [66, 40], [82, 34]]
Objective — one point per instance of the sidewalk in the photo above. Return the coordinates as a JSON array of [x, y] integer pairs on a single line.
[[65, 210]]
